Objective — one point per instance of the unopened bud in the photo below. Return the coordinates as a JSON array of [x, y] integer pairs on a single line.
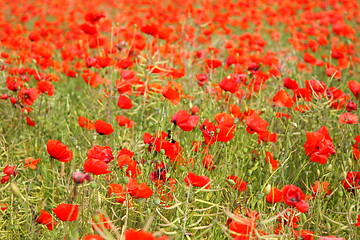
[[267, 189], [329, 167], [15, 190]]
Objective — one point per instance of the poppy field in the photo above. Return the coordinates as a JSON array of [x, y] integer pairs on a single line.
[[140, 119]]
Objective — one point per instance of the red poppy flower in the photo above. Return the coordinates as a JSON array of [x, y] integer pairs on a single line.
[[92, 78], [132, 234], [244, 227], [150, 29], [100, 222], [336, 97], [355, 148], [59, 151], [270, 159], [27, 96], [3, 206], [321, 188], [14, 83], [124, 102], [351, 106], [239, 185], [293, 196], [303, 93], [92, 237], [5, 179], [309, 58], [275, 195], [138, 191], [283, 99], [331, 238], [102, 153], [194, 110], [333, 72], [9, 170], [319, 145], [85, 123], [197, 181], [357, 224], [236, 112], [255, 123], [118, 190], [31, 163], [354, 87], [123, 121], [30, 122], [352, 181], [96, 167], [290, 84], [103, 128], [213, 63], [208, 130], [46, 219], [93, 17], [45, 86], [34, 36], [229, 84], [89, 29], [132, 169], [348, 118], [280, 115], [225, 133], [208, 162], [202, 79], [66, 212], [172, 95], [185, 121]]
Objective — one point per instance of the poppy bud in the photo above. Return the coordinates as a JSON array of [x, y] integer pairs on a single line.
[[329, 167], [79, 177], [15, 190], [156, 201], [267, 189]]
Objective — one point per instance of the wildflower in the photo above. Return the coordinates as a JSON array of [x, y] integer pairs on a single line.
[[354, 87], [283, 99], [197, 181], [352, 181], [96, 167], [213, 63], [118, 190], [123, 121], [59, 151], [185, 121], [31, 163], [124, 102], [100, 222], [79, 177], [357, 224], [102, 153], [103, 128], [321, 188], [92, 237], [86, 123], [46, 219], [348, 118], [270, 159], [66, 212], [275, 195], [293, 196], [137, 190], [239, 184], [319, 145]]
